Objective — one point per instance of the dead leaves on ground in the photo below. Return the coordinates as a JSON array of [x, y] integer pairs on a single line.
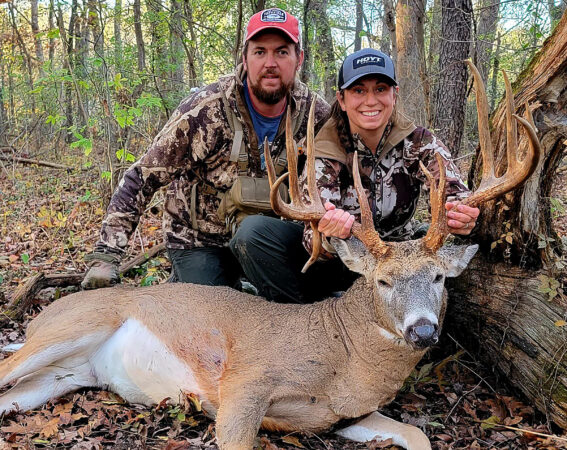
[[102, 419]]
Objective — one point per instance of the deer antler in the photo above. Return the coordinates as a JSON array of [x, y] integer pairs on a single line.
[[297, 208], [517, 171], [314, 210], [438, 229], [491, 186], [365, 230]]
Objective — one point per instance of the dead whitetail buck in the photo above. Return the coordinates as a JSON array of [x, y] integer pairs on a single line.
[[254, 363]]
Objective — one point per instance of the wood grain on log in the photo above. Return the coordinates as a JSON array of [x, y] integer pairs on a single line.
[[499, 309]]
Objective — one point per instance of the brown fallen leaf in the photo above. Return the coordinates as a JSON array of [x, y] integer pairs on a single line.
[[50, 429], [293, 441]]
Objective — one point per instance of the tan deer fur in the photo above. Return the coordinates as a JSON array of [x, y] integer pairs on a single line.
[[289, 367]]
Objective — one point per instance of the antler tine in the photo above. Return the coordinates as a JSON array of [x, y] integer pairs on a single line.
[[517, 171], [438, 229], [297, 209], [484, 139], [291, 161], [365, 229]]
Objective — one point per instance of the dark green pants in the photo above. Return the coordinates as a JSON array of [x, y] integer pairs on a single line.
[[270, 254]]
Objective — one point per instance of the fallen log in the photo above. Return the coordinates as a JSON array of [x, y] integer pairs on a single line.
[[22, 297], [37, 162], [498, 312], [509, 305]]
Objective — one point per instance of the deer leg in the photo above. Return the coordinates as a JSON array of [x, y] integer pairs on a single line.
[[239, 416], [377, 426], [49, 382]]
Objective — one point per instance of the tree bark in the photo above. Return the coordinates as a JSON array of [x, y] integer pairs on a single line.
[[140, 49], [37, 38], [498, 303], [318, 47], [389, 30], [450, 96], [358, 26], [176, 47], [118, 35], [497, 311], [191, 49], [410, 63], [485, 36]]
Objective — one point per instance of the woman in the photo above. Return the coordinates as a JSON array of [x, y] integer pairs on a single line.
[[364, 118]]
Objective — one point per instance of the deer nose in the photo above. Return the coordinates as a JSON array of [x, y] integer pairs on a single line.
[[422, 334]]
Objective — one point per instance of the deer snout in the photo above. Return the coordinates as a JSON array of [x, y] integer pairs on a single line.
[[422, 334]]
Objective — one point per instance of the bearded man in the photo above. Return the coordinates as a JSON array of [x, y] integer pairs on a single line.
[[209, 153]]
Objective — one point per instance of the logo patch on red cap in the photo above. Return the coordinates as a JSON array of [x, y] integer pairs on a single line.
[[273, 15]]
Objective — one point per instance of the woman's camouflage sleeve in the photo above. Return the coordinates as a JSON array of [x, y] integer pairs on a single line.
[[429, 144]]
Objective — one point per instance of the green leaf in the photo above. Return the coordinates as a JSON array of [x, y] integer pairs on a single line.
[[1, 279], [53, 33], [491, 422], [25, 258], [106, 175], [148, 281], [86, 197]]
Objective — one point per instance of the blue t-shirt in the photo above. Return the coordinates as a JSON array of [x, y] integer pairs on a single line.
[[264, 126]]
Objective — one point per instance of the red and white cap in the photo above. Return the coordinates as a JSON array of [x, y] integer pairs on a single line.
[[273, 18]]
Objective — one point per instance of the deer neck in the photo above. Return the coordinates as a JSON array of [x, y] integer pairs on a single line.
[[352, 324]]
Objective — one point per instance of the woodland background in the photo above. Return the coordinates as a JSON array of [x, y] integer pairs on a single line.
[[85, 85]]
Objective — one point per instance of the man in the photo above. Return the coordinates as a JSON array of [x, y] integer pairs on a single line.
[[213, 139]]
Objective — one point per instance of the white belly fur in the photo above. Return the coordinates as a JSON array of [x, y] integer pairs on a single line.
[[135, 364]]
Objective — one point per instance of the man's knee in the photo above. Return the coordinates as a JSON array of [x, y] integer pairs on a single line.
[[250, 233]]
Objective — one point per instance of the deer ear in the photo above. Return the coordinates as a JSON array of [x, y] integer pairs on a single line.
[[354, 255], [456, 258]]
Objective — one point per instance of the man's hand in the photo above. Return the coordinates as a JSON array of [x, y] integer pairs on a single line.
[[103, 272], [461, 218], [335, 222]]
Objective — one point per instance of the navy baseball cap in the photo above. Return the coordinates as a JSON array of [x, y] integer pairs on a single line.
[[366, 62]]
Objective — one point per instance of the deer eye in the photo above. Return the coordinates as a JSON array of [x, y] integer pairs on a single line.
[[383, 283], [438, 278]]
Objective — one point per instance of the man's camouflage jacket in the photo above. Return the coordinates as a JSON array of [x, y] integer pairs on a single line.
[[194, 147]]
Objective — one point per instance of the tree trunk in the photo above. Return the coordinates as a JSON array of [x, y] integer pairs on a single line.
[[3, 112], [389, 30], [410, 63], [191, 49], [118, 36], [176, 47], [140, 49], [238, 39], [485, 35], [52, 25], [450, 97], [318, 46], [96, 29], [358, 27], [37, 38], [514, 307]]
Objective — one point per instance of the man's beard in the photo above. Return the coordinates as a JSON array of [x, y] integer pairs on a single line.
[[270, 97]]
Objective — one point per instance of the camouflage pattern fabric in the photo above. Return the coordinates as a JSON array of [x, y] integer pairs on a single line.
[[194, 148], [392, 185]]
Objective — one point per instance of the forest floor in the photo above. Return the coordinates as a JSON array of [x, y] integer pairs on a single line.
[[49, 220]]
